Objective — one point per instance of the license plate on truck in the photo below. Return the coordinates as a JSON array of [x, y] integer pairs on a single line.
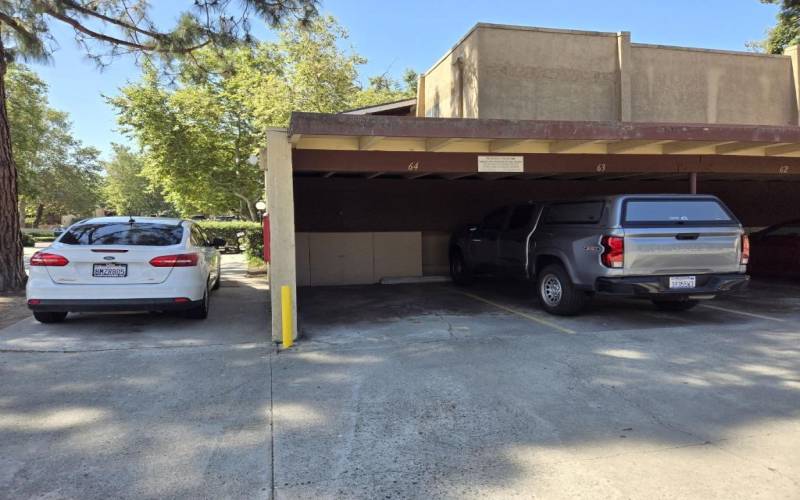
[[110, 270], [682, 281]]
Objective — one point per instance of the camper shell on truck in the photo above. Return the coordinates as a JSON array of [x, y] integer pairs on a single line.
[[674, 249]]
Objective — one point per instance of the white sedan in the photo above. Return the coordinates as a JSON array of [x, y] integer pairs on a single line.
[[125, 264]]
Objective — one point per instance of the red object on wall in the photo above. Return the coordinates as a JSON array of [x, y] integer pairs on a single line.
[[265, 227]]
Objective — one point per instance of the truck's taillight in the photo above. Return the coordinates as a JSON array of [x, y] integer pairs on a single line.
[[48, 259], [177, 260], [745, 250], [613, 251]]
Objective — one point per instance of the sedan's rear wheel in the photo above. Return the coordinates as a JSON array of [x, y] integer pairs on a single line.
[[201, 311], [50, 316]]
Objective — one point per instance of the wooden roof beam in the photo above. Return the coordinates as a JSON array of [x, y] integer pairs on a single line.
[[453, 177], [694, 147], [434, 145], [368, 142], [571, 145], [631, 145], [739, 147], [782, 149]]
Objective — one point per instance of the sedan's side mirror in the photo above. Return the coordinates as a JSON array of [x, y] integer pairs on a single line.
[[217, 242]]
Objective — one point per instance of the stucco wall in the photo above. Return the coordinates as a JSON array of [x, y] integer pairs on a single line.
[[546, 75], [514, 72], [670, 84], [442, 82]]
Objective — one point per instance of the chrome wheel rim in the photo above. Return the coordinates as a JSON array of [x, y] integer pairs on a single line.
[[551, 290]]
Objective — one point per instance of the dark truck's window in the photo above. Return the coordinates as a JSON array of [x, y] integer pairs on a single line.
[[123, 233], [521, 216], [586, 212], [676, 212], [495, 219]]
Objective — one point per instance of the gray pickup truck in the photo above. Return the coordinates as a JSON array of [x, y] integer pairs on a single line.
[[672, 249]]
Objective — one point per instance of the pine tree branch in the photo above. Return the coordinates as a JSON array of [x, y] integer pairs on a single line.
[[129, 26]]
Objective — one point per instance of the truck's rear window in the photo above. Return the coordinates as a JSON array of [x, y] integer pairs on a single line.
[[676, 212], [144, 234]]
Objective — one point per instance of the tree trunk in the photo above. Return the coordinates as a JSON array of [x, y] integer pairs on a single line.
[[12, 269], [251, 207], [39, 212]]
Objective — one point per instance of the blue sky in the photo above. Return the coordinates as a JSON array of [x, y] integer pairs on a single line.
[[415, 33]]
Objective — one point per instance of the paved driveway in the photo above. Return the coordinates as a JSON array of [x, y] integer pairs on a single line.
[[408, 392], [139, 405]]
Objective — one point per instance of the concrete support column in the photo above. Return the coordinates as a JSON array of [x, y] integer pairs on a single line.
[[421, 96], [624, 75], [794, 53], [277, 162], [693, 183]]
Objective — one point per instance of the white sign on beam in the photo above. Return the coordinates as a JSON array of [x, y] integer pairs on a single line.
[[501, 164]]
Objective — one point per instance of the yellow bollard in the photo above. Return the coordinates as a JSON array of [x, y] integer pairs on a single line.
[[286, 315]]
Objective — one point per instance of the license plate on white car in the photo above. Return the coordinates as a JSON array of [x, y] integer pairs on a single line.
[[110, 270], [682, 281]]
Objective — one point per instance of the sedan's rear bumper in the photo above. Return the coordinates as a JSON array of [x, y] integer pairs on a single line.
[[103, 305], [658, 286]]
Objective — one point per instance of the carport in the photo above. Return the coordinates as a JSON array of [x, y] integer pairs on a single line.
[[362, 198]]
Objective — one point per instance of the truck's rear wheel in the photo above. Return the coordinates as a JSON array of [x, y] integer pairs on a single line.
[[675, 305], [460, 271], [557, 294]]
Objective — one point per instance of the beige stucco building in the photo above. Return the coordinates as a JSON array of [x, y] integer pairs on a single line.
[[367, 196], [522, 73]]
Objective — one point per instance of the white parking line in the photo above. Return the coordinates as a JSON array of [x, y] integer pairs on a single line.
[[743, 313]]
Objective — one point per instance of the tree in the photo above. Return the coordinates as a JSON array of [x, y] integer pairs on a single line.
[[56, 172], [786, 32], [127, 190], [65, 174], [27, 116], [384, 89], [107, 29], [198, 129]]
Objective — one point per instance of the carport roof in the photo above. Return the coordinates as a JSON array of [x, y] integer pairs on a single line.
[[400, 133]]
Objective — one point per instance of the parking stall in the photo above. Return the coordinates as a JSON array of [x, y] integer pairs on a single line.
[[374, 199], [514, 114]]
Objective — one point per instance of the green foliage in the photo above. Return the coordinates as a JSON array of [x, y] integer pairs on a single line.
[[43, 239], [127, 191], [56, 171], [251, 242], [28, 120], [198, 131], [27, 240], [787, 30], [383, 89], [108, 28]]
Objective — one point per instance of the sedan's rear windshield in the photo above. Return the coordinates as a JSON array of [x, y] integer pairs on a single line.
[[123, 233], [676, 212]]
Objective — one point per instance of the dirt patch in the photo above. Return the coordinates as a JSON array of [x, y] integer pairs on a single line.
[[12, 308]]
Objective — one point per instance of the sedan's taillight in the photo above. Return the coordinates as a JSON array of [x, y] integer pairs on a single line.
[[745, 250], [177, 260], [48, 259], [613, 251]]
